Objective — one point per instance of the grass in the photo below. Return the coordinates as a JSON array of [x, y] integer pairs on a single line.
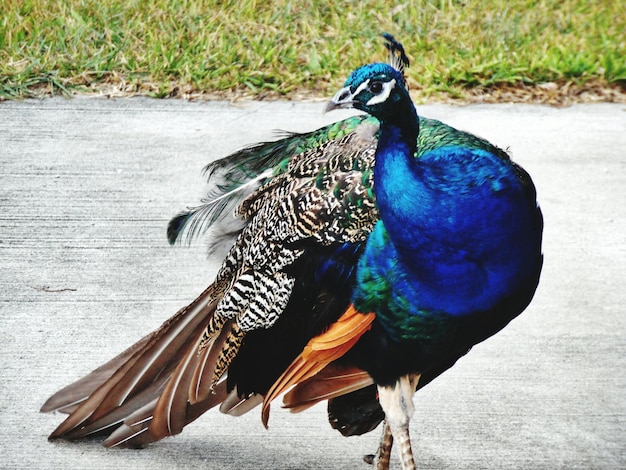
[[471, 49]]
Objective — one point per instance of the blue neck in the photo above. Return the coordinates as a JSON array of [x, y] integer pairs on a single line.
[[395, 180]]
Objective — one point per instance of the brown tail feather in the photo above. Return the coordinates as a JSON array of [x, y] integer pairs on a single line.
[[234, 405], [170, 413], [79, 418], [132, 379], [171, 407], [117, 416], [137, 428], [69, 398], [217, 396], [332, 381], [134, 432], [170, 344]]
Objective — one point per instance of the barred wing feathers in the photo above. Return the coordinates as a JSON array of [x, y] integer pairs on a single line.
[[320, 196]]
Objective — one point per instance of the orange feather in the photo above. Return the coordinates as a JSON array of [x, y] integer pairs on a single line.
[[319, 352]]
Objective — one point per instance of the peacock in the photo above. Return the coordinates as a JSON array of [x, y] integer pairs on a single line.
[[365, 259]]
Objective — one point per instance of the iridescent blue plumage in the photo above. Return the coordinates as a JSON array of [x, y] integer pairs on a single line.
[[461, 224]]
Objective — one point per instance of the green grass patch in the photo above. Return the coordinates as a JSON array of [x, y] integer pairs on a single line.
[[294, 48]]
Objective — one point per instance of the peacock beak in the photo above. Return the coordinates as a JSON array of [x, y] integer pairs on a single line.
[[343, 99]]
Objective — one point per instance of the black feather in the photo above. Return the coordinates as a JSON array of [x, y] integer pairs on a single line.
[[397, 57], [315, 303], [175, 226], [355, 413]]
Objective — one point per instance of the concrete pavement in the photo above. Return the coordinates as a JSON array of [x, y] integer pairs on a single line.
[[87, 187]]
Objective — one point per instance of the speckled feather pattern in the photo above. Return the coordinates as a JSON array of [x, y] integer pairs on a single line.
[[324, 194]]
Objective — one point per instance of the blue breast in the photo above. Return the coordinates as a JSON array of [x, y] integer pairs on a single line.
[[457, 234]]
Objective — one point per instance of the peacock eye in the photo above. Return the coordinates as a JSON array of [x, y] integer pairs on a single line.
[[376, 87]]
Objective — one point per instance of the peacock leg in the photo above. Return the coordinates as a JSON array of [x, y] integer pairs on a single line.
[[397, 402], [384, 449]]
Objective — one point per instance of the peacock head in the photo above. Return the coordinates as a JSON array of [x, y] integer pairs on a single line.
[[377, 89]]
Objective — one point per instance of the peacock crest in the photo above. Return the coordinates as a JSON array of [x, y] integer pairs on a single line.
[[397, 57]]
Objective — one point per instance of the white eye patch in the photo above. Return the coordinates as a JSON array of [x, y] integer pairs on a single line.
[[383, 95], [361, 87]]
